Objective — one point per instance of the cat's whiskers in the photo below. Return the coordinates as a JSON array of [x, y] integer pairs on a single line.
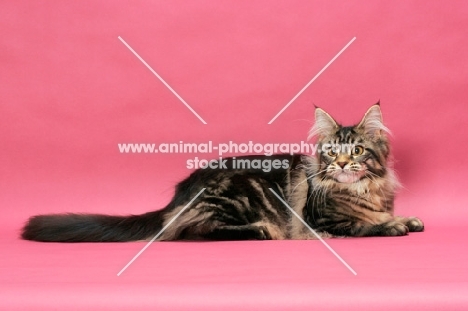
[[322, 193], [358, 192], [324, 196], [307, 179], [312, 206], [372, 179], [365, 192], [318, 199]]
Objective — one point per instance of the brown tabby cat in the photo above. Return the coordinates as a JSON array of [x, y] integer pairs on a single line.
[[339, 192]]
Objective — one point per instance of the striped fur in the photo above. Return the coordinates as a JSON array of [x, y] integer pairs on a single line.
[[345, 193]]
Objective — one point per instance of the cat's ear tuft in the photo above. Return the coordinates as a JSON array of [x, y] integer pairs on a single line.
[[372, 122], [324, 124]]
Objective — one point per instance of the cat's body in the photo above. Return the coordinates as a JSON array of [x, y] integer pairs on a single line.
[[344, 193]]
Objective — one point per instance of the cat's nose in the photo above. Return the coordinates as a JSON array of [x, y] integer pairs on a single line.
[[342, 164]]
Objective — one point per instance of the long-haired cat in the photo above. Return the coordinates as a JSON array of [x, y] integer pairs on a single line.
[[347, 189]]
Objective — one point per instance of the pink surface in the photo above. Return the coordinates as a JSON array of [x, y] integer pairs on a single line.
[[71, 91], [423, 271]]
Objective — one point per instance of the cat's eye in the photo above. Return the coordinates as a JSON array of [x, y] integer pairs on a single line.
[[332, 153], [358, 150]]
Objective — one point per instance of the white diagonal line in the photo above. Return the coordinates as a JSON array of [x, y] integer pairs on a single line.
[[315, 233], [313, 79], [160, 232], [162, 80]]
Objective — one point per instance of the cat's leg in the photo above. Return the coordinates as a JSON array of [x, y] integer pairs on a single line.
[[220, 218], [364, 229], [397, 226], [414, 224], [389, 228], [244, 232]]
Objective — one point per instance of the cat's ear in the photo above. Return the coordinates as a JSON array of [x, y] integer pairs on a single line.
[[372, 122], [324, 124]]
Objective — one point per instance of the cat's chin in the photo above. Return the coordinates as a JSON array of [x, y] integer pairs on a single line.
[[348, 177]]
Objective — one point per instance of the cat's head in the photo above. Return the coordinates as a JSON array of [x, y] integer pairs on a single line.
[[348, 154]]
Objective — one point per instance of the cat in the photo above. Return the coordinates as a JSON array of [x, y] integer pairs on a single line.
[[339, 192]]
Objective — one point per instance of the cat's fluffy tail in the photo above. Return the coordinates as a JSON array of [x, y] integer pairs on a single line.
[[92, 228]]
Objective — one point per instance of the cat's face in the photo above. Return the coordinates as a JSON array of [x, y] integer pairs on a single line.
[[352, 153]]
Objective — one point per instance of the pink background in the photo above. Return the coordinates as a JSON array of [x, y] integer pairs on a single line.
[[71, 91]]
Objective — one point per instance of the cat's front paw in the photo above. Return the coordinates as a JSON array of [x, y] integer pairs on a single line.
[[414, 224], [394, 228], [263, 233]]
